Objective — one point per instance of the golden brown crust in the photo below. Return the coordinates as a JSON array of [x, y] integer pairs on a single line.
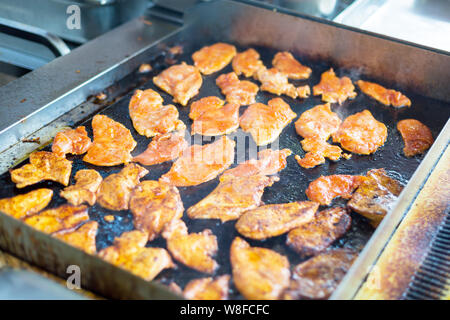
[[84, 190], [237, 91], [83, 237], [334, 89], [416, 136], [383, 95], [317, 151], [286, 63], [213, 58], [207, 288], [24, 205], [74, 141], [247, 63], [318, 122], [276, 82]]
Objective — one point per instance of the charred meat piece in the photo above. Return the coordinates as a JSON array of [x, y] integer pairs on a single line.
[[213, 58], [375, 196], [237, 91], [287, 64], [265, 122], [207, 289], [115, 191], [416, 136], [194, 250], [74, 141], [276, 82], [247, 63], [318, 123], [43, 166], [24, 205], [199, 164], [232, 197], [112, 143], [317, 151], [315, 236], [84, 190], [275, 219], [129, 252], [334, 89], [319, 276], [154, 204], [83, 237], [258, 273], [383, 95], [181, 81]]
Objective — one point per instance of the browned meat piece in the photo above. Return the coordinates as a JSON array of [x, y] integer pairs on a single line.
[[383, 95], [115, 190], [258, 273], [318, 122], [319, 276], [286, 63], [315, 236], [207, 288], [82, 238], [84, 190], [213, 58], [27, 204], [375, 196], [416, 136], [237, 91], [317, 151], [74, 141], [303, 91], [194, 250], [43, 166], [324, 189], [232, 197], [247, 63], [154, 204], [276, 82], [275, 219], [334, 89]]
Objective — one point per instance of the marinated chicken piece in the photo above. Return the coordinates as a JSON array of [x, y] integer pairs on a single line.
[[84, 190], [199, 164], [28, 204], [334, 89], [317, 151], [324, 189], [247, 63], [162, 148], [82, 238], [232, 197], [129, 252], [319, 276], [207, 288], [194, 250], [150, 117], [287, 64], [237, 91], [276, 82], [275, 219], [181, 81], [60, 218], [361, 133], [315, 236], [375, 196], [74, 141], [318, 123], [115, 191], [383, 95], [154, 204], [112, 143], [416, 136], [212, 117], [43, 166], [310, 160], [258, 273], [303, 91], [269, 162], [213, 58], [265, 122]]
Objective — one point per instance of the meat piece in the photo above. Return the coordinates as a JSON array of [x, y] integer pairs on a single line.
[[310, 160], [318, 122], [213, 118], [232, 197], [74, 141], [317, 151], [115, 191], [334, 89], [269, 162], [416, 136], [84, 190], [213, 58], [60, 218], [207, 288], [199, 164], [43, 166], [287, 64], [154, 204], [83, 237], [375, 196], [112, 143], [258, 273], [129, 252], [303, 91], [276, 82], [247, 63], [383, 95], [181, 81], [275, 219], [162, 148], [265, 122], [315, 236], [194, 250], [324, 189], [150, 117], [237, 91], [319, 276], [361, 133], [24, 205]]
